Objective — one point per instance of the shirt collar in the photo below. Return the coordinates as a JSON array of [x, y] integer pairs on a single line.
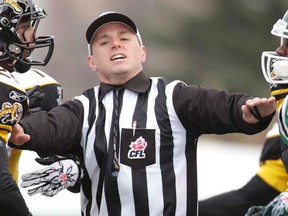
[[139, 84]]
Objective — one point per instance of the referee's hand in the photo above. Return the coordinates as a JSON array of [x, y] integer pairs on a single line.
[[265, 107], [18, 137]]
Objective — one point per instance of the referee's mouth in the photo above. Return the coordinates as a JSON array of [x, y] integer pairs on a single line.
[[117, 57]]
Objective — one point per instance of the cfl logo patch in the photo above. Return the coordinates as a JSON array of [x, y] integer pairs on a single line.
[[137, 149]]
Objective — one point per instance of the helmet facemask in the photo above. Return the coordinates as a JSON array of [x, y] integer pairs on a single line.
[[15, 47], [275, 67]]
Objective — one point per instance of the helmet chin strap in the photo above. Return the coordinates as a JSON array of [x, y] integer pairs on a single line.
[[21, 68]]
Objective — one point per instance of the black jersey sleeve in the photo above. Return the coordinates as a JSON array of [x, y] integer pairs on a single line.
[[57, 131], [204, 110]]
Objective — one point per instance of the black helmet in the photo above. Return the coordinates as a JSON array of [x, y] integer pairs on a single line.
[[14, 50]]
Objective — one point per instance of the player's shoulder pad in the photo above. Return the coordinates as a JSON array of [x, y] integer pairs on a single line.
[[8, 79], [34, 77]]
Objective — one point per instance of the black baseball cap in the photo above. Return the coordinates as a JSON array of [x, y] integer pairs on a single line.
[[110, 17]]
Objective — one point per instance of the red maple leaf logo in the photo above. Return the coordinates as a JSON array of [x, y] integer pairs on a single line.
[[139, 144], [63, 177]]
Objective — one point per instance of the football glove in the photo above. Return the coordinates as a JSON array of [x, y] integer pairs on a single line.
[[255, 211], [277, 207], [61, 173], [34, 95]]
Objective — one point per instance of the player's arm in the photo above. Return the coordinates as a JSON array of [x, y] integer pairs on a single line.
[[13, 104], [11, 200]]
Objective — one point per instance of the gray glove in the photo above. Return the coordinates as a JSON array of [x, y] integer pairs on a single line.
[[277, 207], [60, 174], [255, 211], [34, 95]]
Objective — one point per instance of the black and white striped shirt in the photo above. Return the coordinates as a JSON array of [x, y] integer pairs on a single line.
[[159, 123]]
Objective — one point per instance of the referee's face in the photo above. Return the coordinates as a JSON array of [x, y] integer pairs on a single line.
[[116, 54]]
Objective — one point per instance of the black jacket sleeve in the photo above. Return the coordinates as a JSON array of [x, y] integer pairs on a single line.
[[57, 131], [11, 200], [205, 110]]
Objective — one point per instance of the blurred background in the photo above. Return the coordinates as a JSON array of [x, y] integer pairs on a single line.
[[212, 43], [215, 43]]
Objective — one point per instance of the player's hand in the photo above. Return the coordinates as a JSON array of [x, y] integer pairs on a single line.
[[258, 108], [277, 207], [255, 211], [34, 96], [60, 174]]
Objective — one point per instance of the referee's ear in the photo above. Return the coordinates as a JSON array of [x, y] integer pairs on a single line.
[[91, 62], [143, 54]]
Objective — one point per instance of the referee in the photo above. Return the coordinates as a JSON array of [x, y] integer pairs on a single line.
[[137, 135]]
